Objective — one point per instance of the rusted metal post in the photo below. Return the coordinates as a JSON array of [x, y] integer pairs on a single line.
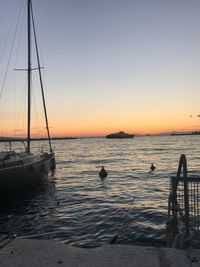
[[186, 199]]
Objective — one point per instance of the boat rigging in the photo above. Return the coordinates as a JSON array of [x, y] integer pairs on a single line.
[[26, 168]]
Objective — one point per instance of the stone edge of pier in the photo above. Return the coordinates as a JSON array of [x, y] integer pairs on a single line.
[[37, 253]]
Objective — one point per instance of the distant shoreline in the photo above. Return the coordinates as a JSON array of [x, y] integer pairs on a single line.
[[11, 139], [192, 133]]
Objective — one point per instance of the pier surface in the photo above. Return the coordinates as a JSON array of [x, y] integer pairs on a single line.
[[38, 253]]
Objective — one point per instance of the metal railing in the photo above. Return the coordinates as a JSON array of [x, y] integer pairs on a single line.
[[183, 225]]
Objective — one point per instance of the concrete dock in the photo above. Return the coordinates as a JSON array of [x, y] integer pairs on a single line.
[[39, 253]]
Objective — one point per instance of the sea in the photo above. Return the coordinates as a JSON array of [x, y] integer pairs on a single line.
[[78, 208]]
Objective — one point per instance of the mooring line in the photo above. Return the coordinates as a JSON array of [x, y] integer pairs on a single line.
[[114, 239], [41, 234]]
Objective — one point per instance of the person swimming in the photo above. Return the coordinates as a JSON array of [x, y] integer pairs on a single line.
[[152, 168], [103, 173]]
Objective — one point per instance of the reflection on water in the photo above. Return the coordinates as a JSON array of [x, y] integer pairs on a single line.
[[23, 209], [77, 207]]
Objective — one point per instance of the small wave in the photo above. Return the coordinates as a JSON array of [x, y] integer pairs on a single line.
[[93, 211]]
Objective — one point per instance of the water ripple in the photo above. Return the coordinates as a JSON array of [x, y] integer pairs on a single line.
[[78, 208]]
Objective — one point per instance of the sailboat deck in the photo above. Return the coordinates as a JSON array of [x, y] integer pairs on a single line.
[[10, 159]]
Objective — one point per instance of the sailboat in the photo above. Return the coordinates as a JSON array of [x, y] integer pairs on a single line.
[[20, 169]]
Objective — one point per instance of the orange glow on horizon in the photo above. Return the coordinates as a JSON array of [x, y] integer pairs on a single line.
[[101, 132], [139, 124], [90, 131]]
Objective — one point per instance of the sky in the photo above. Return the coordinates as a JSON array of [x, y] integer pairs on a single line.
[[111, 65]]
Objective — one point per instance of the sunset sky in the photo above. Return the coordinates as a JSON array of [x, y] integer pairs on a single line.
[[110, 65]]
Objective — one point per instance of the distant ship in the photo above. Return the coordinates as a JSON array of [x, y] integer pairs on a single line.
[[120, 134]]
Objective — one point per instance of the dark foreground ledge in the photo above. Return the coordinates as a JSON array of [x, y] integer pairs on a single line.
[[39, 253]]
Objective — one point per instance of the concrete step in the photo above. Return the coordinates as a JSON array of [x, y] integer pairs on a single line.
[[39, 253]]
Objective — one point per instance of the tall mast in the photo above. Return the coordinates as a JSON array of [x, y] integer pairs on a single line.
[[29, 72], [40, 78]]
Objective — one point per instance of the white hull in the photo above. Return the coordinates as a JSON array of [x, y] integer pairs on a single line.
[[25, 173]]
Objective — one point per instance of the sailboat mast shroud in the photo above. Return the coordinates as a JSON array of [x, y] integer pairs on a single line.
[[30, 19], [29, 72], [20, 169]]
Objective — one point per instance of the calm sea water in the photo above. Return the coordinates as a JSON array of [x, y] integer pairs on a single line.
[[75, 206]]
